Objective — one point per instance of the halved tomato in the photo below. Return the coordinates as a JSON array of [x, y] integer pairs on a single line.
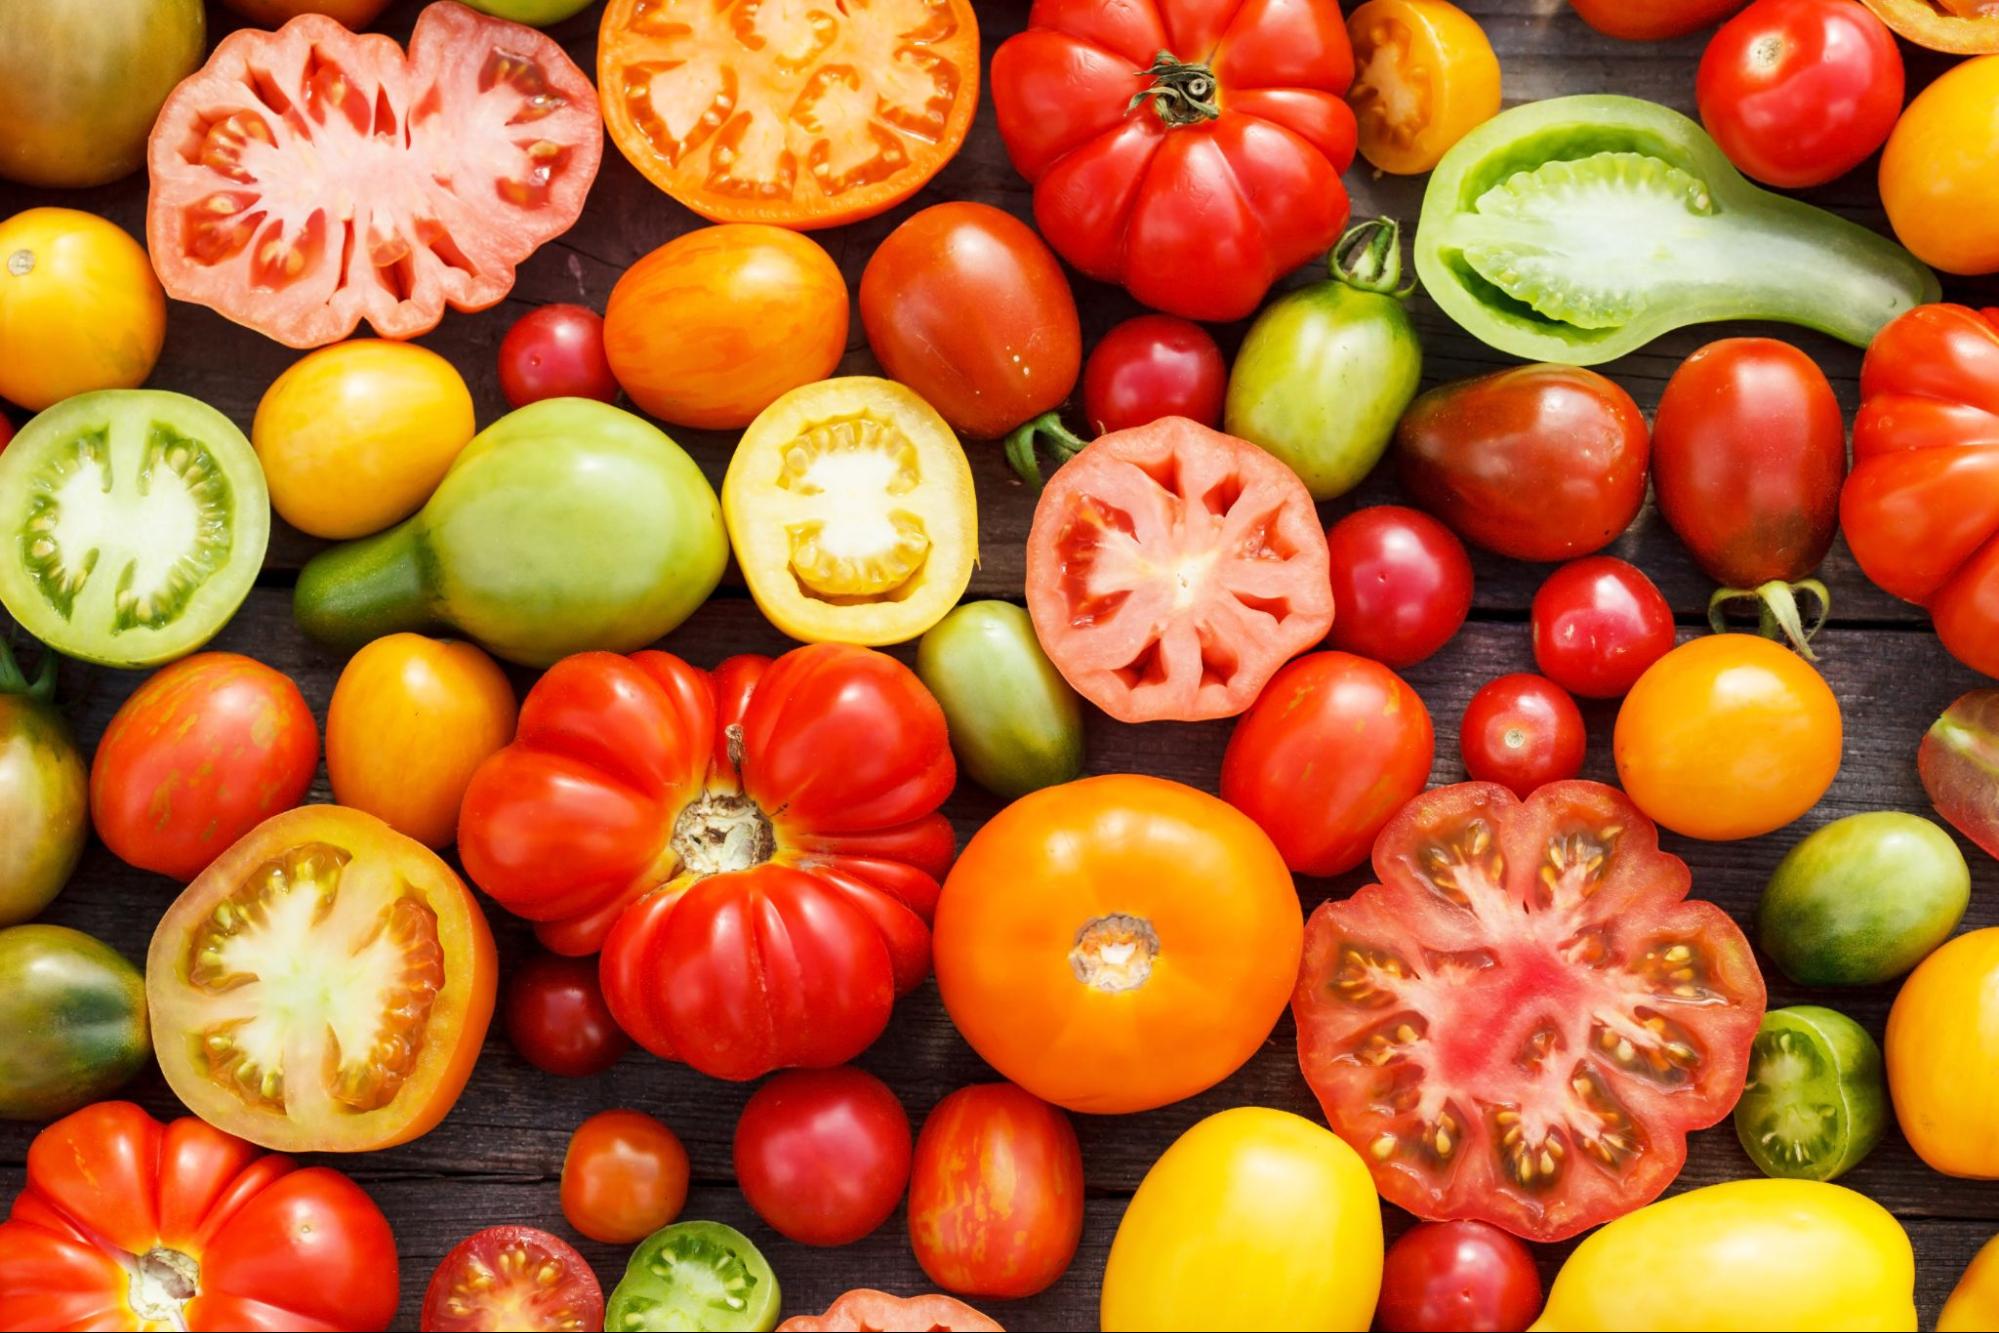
[[324, 986], [865, 1308], [804, 116], [1522, 1021], [1172, 569], [517, 1278], [309, 178]]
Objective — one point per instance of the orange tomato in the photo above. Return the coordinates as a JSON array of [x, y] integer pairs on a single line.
[[1117, 943], [411, 720], [1424, 75], [1940, 170], [1942, 1051], [624, 1177]]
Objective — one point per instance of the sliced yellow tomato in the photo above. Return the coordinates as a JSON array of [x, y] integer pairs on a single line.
[[1424, 75], [849, 503], [80, 308]]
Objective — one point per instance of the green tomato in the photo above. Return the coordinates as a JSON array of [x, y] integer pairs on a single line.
[[1863, 899], [1816, 1101], [1016, 726], [694, 1275], [44, 794], [72, 1021], [539, 13]]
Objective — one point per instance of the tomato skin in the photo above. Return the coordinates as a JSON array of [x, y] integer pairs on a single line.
[[1153, 366], [624, 1177], [80, 308], [1955, 763], [72, 1021], [556, 1017], [1940, 1046], [556, 351], [1402, 584], [996, 1197], [356, 14], [823, 1155], [45, 792], [1598, 623], [1651, 20], [1426, 75], [864, 1308], [1447, 1277], [1940, 171], [1521, 731], [512, 1278], [1973, 1303]]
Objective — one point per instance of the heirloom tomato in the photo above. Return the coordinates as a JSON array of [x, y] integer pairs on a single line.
[[1863, 899], [324, 986], [1125, 905], [555, 1016], [704, 1275], [1942, 1044], [1973, 1305], [1402, 584], [44, 791], [512, 1278], [1521, 1022], [1150, 367], [1958, 762], [1597, 624], [556, 351], [1815, 1101], [624, 1177], [80, 308], [72, 1021], [1424, 74], [864, 1308], [1522, 731], [823, 1155], [1940, 171], [1016, 726], [1651, 20], [1444, 1276], [756, 848], [126, 1223]]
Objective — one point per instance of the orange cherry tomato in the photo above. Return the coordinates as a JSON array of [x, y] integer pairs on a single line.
[[1424, 75], [624, 1177]]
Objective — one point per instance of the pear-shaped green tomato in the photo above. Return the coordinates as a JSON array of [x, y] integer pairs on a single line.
[[1016, 725]]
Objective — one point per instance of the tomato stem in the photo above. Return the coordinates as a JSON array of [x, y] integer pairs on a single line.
[[1182, 91], [1025, 440], [1776, 611], [1369, 257], [13, 680]]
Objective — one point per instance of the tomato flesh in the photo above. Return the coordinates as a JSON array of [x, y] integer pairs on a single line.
[[515, 1278]]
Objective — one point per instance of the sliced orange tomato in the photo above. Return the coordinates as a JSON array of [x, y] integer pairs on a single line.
[[1963, 27], [1424, 75]]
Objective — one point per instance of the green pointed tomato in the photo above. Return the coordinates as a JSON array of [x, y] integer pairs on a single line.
[[1016, 725]]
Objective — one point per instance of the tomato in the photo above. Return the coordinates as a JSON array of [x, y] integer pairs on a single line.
[[1651, 20], [1190, 151], [823, 1155], [6, 432], [1728, 736], [850, 506], [80, 308], [355, 14], [198, 756], [695, 1275], [1127, 903], [72, 1021], [1942, 1044], [540, 13], [1959, 767], [714, 326], [1251, 1219], [355, 437], [800, 117], [760, 844], [1598, 623], [1974, 1302], [1522, 731], [1015, 724], [1424, 75], [44, 791], [512, 1278], [1443, 1276], [624, 1177], [1150, 367], [1963, 26], [556, 1017], [864, 1308], [996, 1197], [1815, 1102], [1537, 462], [1863, 899], [252, 207], [556, 351], [1443, 1013], [324, 986], [1172, 569], [1940, 171], [1401, 584]]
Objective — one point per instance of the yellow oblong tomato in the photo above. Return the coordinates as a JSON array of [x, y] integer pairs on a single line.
[[80, 308], [1117, 943], [411, 720], [850, 506], [1424, 75], [1973, 1304], [324, 986], [1942, 1050], [1253, 1219], [1940, 171]]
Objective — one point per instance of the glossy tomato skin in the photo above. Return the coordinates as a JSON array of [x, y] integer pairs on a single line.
[[515, 1278], [45, 792], [624, 1177], [1941, 1044], [556, 1017], [823, 1155], [1153, 366], [1652, 20], [1458, 1277], [556, 351], [80, 308], [1958, 755], [996, 1196], [1940, 171], [864, 1308], [1597, 624], [1402, 584], [72, 1021], [1521, 731], [1425, 76]]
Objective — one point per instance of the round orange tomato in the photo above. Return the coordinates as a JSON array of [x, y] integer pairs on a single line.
[[80, 308], [1940, 171], [624, 1177], [411, 720], [1728, 736], [1117, 943], [1424, 75], [1942, 1051], [324, 986]]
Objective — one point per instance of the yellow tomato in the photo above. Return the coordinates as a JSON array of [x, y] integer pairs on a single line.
[[1942, 1050], [80, 308], [1940, 170], [849, 503], [1424, 75], [1728, 736], [1973, 1306], [411, 719], [1253, 1219], [354, 437]]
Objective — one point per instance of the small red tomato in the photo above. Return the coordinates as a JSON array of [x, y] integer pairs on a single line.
[[823, 1155], [513, 1278], [624, 1177], [1151, 367], [1521, 731], [1401, 584], [1598, 623], [557, 1019], [556, 351], [1445, 1276]]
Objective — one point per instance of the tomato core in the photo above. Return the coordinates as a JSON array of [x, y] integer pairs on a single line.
[[163, 1282], [21, 263], [721, 832], [1114, 953], [1182, 91]]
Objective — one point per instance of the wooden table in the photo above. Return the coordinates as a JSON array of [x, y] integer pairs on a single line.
[[497, 1157]]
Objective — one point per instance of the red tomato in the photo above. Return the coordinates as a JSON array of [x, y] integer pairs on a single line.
[[1650, 20], [6, 432], [1171, 569], [556, 1017], [1151, 367], [126, 1223], [1189, 150], [1597, 624], [1329, 753], [200, 754], [863, 1309], [823, 1155], [1798, 92], [996, 1199], [468, 153], [1401, 584], [756, 848], [556, 351], [1523, 1019], [514, 1278], [1444, 1277], [1521, 731], [624, 1177]]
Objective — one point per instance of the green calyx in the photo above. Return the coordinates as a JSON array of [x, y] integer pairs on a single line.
[[1023, 445], [1368, 258], [1777, 611], [1181, 91], [42, 689]]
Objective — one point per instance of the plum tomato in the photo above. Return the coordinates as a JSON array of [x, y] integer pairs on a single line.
[[1402, 584], [1816, 1098], [1863, 899], [1442, 1277], [823, 1155], [1522, 731], [624, 1177], [1153, 366], [705, 1275], [555, 1016], [512, 1278], [864, 1308], [80, 308], [1958, 762], [1598, 623], [1424, 76], [556, 351], [1521, 1022], [1016, 726]]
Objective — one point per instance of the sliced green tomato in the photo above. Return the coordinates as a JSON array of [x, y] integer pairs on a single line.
[[1816, 1101], [132, 524], [694, 1275]]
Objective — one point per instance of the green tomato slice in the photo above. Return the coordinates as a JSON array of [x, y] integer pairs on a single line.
[[694, 1275], [1816, 1101], [134, 522]]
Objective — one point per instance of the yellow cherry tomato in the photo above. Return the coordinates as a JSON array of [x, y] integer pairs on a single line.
[[354, 437], [1940, 170], [411, 719], [1973, 1306], [1727, 736], [1253, 1219], [1747, 1254], [1942, 1050], [1424, 75], [80, 308]]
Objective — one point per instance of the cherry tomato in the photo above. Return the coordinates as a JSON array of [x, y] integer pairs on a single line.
[[1521, 731], [514, 1278], [1401, 584], [1598, 623], [623, 1178], [823, 1155], [1151, 367], [556, 351], [556, 1017], [1446, 1276]]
